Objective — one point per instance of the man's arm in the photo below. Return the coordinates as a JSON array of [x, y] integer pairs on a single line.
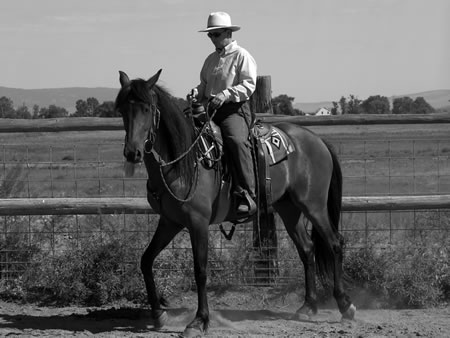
[[246, 82]]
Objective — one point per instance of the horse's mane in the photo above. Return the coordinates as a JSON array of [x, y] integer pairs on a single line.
[[175, 130]]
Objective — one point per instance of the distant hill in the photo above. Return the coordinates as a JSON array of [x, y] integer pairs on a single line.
[[436, 98], [67, 97], [61, 97]]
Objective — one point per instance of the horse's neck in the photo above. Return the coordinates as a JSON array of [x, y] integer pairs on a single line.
[[160, 150]]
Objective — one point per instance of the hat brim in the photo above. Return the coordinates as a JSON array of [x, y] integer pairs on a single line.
[[215, 28]]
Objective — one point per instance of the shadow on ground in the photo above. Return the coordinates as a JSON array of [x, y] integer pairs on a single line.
[[133, 320]]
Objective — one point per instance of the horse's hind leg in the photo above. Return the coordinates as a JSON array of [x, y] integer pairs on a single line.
[[164, 234], [329, 251], [299, 235]]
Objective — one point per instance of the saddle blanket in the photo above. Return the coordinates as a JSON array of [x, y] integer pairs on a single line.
[[276, 142]]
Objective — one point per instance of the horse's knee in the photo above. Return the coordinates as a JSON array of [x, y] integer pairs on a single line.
[[201, 275], [307, 254]]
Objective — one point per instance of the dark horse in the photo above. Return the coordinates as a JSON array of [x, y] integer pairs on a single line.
[[187, 195]]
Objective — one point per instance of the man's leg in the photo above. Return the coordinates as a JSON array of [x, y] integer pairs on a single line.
[[235, 133]]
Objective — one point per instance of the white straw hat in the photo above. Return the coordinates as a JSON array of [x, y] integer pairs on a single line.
[[220, 20]]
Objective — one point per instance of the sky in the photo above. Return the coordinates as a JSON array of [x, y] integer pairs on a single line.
[[313, 50]]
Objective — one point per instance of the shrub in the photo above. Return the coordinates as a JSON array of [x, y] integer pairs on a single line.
[[93, 275], [366, 268], [405, 277]]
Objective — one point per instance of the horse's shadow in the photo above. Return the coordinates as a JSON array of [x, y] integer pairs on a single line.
[[133, 320]]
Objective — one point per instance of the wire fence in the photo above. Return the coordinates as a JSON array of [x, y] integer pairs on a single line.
[[90, 165]]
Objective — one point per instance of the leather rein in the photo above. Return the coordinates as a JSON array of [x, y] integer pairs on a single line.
[[148, 149]]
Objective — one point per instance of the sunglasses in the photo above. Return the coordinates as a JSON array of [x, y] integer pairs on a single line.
[[215, 34]]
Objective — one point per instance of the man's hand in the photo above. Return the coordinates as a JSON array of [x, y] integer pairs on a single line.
[[192, 94], [217, 101]]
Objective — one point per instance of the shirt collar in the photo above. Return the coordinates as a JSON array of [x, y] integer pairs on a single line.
[[227, 49]]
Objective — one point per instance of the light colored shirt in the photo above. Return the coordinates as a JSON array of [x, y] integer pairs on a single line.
[[231, 71]]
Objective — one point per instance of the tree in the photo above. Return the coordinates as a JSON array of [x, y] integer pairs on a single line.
[[106, 109], [81, 108], [23, 113], [376, 105], [354, 105], [35, 111], [86, 108], [403, 105], [92, 104], [422, 107], [282, 104], [6, 107], [335, 109], [52, 112], [343, 105]]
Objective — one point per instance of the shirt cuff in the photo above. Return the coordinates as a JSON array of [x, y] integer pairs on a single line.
[[227, 94]]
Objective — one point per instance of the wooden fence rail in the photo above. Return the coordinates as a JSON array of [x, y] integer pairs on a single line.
[[91, 206], [97, 123]]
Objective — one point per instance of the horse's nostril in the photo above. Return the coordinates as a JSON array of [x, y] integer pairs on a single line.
[[133, 156], [138, 156], [130, 157]]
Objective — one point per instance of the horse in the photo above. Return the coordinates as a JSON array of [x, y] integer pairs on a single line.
[[187, 195]]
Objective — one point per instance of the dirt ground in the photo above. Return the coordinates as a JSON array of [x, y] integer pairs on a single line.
[[233, 314]]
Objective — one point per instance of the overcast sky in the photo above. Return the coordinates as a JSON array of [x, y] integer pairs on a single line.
[[313, 49]]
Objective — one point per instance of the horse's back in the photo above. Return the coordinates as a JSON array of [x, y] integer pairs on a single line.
[[307, 170]]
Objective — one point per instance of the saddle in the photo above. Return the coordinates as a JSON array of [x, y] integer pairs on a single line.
[[270, 146]]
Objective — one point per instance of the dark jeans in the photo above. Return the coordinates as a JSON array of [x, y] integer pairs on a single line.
[[234, 120]]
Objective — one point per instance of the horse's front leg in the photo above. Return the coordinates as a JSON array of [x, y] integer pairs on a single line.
[[199, 241], [164, 234]]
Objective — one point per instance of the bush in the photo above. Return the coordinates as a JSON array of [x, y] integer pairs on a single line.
[[95, 275], [405, 277]]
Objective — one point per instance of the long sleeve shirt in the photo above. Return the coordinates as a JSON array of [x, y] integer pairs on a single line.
[[231, 71]]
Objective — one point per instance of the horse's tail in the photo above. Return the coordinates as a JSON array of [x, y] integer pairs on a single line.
[[334, 203], [323, 253]]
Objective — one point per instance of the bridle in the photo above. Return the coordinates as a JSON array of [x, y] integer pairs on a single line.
[[149, 150], [151, 138]]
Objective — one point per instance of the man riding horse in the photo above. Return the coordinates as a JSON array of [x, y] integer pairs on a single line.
[[227, 80]]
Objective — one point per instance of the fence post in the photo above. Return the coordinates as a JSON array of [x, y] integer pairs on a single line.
[[261, 100], [264, 232]]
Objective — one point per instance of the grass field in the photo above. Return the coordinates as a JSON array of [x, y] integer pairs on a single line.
[[376, 159]]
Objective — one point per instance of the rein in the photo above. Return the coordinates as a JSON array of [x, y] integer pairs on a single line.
[[162, 164]]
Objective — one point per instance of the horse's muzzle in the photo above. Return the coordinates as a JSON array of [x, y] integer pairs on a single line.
[[133, 156]]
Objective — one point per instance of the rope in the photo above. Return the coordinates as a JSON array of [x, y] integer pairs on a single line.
[[163, 164]]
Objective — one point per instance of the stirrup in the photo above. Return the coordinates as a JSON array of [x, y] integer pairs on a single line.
[[250, 203]]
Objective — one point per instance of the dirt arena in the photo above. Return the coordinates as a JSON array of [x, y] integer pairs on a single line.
[[233, 314]]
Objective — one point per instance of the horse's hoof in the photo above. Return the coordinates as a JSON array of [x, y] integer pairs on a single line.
[[161, 321], [304, 313], [191, 332], [301, 317], [350, 313]]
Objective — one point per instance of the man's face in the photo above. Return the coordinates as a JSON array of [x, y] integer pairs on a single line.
[[220, 37]]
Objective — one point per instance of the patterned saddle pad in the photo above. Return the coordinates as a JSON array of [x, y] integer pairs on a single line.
[[277, 144]]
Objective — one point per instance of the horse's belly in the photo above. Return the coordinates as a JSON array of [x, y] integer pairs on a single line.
[[279, 180]]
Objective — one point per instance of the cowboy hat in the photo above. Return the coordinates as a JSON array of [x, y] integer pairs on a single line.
[[220, 20]]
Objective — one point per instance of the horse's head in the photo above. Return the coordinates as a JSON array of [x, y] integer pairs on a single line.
[[137, 103]]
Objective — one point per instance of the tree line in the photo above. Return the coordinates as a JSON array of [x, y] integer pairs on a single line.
[[84, 108], [282, 104]]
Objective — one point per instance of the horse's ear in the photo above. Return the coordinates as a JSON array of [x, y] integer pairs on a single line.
[[151, 82], [124, 79]]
